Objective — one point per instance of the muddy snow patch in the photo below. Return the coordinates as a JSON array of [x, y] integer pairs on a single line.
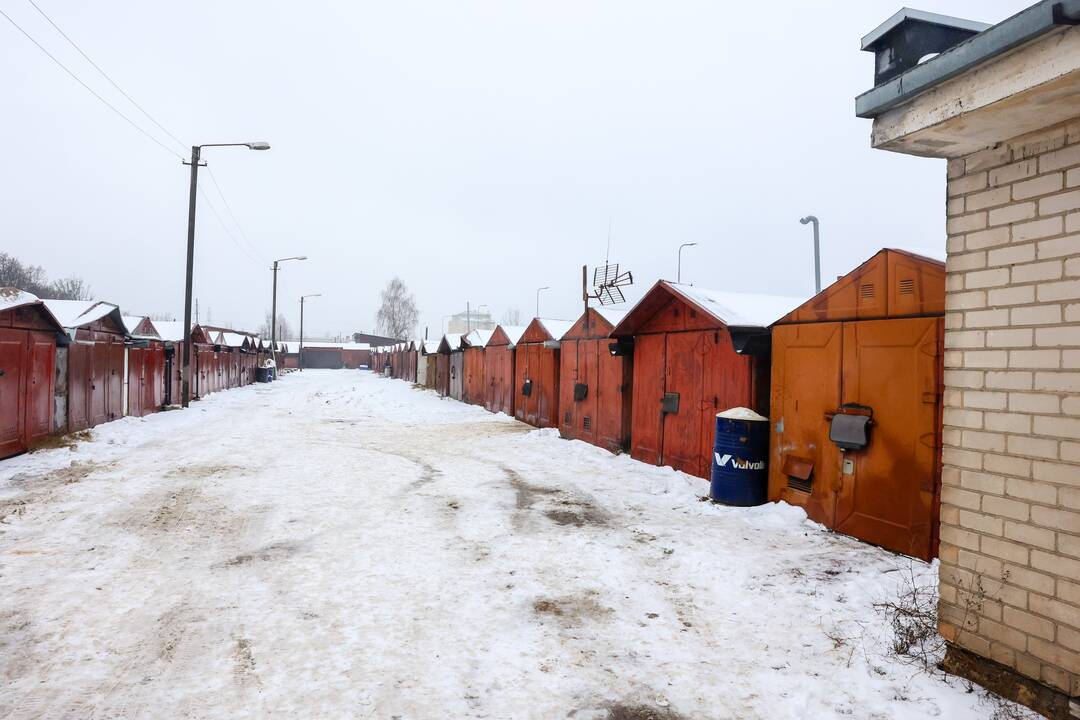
[[572, 610], [268, 553]]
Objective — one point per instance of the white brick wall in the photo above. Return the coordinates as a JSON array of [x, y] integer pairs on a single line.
[[1010, 501]]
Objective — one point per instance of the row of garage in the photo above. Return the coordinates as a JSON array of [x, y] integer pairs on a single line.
[[69, 365], [650, 381]]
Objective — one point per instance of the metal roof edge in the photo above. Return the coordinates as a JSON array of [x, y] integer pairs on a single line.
[[906, 13], [997, 40]]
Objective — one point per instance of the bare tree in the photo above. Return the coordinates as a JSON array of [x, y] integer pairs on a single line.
[[512, 316], [284, 330], [71, 288], [397, 313], [32, 278]]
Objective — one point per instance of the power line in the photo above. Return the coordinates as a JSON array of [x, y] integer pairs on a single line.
[[224, 227], [228, 209], [106, 76], [89, 89]]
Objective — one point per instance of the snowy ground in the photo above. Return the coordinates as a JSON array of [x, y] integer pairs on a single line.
[[341, 545]]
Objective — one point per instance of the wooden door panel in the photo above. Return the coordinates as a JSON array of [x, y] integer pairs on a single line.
[[588, 409], [78, 387], [13, 372], [893, 366], [682, 429], [135, 381], [114, 402], [646, 437], [569, 366], [41, 379], [806, 372], [611, 399]]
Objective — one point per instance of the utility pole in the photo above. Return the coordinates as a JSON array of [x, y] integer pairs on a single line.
[[196, 160], [273, 306], [185, 369], [301, 356], [817, 250]]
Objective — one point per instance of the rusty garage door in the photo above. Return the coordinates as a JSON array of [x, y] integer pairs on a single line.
[[884, 493]]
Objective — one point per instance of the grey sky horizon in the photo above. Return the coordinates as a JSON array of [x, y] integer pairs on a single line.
[[476, 150]]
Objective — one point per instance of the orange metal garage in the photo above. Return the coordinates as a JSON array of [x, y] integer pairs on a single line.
[[856, 403]]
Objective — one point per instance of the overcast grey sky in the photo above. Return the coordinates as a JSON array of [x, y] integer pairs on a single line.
[[476, 149]]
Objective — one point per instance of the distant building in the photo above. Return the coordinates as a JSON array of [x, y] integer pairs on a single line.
[[373, 340], [464, 322]]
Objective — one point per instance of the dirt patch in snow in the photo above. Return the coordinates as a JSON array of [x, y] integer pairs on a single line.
[[577, 513], [172, 512], [172, 628], [525, 494], [201, 470], [36, 488], [53, 442], [268, 553], [243, 662], [17, 641], [571, 609], [621, 711]]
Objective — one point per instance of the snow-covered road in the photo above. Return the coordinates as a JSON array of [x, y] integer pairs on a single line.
[[339, 545]]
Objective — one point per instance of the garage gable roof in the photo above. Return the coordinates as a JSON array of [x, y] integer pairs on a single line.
[[74, 314], [730, 309]]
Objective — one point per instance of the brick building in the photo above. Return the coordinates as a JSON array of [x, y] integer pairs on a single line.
[[1002, 104]]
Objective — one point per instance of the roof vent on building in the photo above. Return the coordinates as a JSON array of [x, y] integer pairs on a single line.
[[901, 42]]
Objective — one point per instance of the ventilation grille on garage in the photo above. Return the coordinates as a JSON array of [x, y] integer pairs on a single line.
[[801, 485], [586, 423], [866, 291], [907, 286]]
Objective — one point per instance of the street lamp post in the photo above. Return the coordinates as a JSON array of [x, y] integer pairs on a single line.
[[817, 250], [196, 160], [678, 272], [273, 306], [538, 299], [301, 356]]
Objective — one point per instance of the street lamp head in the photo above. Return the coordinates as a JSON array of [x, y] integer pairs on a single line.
[[808, 219], [260, 145]]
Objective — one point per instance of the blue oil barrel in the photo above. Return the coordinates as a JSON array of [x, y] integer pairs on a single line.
[[740, 473]]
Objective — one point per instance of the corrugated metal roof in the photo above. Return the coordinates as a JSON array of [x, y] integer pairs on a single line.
[[555, 328], [169, 330], [14, 297], [77, 313], [736, 309], [478, 338]]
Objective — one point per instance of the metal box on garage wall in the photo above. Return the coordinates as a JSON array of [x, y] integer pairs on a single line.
[[856, 403]]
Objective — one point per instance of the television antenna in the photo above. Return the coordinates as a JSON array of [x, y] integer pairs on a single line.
[[608, 282]]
